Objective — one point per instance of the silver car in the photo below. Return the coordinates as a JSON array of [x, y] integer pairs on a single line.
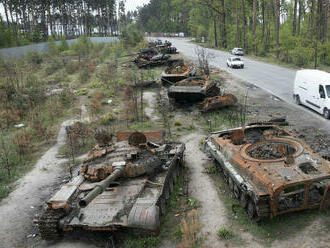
[[237, 51]]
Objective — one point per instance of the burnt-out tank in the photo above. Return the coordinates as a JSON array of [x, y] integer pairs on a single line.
[[270, 171], [177, 73], [122, 185], [217, 102], [193, 89]]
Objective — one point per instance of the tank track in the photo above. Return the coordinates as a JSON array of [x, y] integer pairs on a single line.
[[255, 211], [48, 224]]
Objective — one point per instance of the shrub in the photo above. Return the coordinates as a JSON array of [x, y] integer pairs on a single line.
[[131, 35], [107, 118], [224, 233], [177, 123], [82, 92], [71, 67], [83, 76], [53, 66], [34, 57], [301, 56]]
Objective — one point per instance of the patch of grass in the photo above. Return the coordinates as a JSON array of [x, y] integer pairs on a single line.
[[144, 242], [211, 170], [142, 126], [82, 92], [225, 233], [177, 123]]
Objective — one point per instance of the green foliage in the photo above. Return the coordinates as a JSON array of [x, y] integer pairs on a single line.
[[301, 56], [82, 92], [131, 35], [34, 57], [225, 233], [177, 123], [64, 46], [144, 242], [107, 118]]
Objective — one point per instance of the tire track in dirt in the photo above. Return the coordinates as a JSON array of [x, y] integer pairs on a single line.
[[18, 209]]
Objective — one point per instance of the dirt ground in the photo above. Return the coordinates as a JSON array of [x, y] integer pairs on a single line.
[[18, 210]]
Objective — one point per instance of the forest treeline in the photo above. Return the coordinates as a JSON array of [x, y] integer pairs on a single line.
[[295, 31], [27, 21]]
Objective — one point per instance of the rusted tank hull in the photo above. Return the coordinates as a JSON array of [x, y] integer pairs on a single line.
[[190, 94], [193, 89], [175, 74], [270, 171], [218, 102]]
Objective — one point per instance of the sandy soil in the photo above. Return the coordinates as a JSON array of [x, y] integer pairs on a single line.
[[149, 109], [18, 210]]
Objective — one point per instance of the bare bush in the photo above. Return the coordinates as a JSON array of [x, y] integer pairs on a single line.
[[204, 58]]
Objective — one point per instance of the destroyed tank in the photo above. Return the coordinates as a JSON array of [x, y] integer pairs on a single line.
[[193, 89], [217, 102], [177, 73], [270, 171], [123, 185]]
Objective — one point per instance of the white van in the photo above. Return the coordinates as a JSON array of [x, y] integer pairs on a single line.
[[312, 89]]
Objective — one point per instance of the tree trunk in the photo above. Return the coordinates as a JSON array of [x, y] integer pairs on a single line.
[[6, 12], [312, 20], [263, 20], [254, 26], [300, 12], [277, 26], [215, 31], [294, 20], [237, 25], [223, 25], [246, 46]]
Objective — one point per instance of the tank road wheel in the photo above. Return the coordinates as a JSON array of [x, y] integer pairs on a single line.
[[162, 205], [171, 183], [167, 191], [175, 175], [243, 200], [231, 184], [251, 211], [48, 224], [236, 191]]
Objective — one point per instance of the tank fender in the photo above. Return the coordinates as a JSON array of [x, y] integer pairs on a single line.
[[240, 181], [145, 215]]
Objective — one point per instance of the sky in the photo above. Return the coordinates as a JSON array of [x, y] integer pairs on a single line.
[[133, 4]]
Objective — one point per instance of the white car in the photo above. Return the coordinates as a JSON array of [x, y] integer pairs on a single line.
[[237, 51], [312, 89], [235, 62]]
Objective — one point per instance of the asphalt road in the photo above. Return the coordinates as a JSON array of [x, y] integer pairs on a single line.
[[274, 79]]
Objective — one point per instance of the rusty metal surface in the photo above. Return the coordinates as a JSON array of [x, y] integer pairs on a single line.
[[153, 135], [269, 161], [218, 102], [120, 185], [193, 89]]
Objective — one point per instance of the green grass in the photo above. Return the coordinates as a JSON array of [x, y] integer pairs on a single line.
[[225, 233], [141, 242]]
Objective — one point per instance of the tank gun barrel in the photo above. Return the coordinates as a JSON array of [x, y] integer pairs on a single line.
[[100, 187]]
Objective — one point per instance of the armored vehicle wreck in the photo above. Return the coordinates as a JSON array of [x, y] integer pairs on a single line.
[[193, 89], [120, 185], [177, 73], [270, 171], [217, 102]]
